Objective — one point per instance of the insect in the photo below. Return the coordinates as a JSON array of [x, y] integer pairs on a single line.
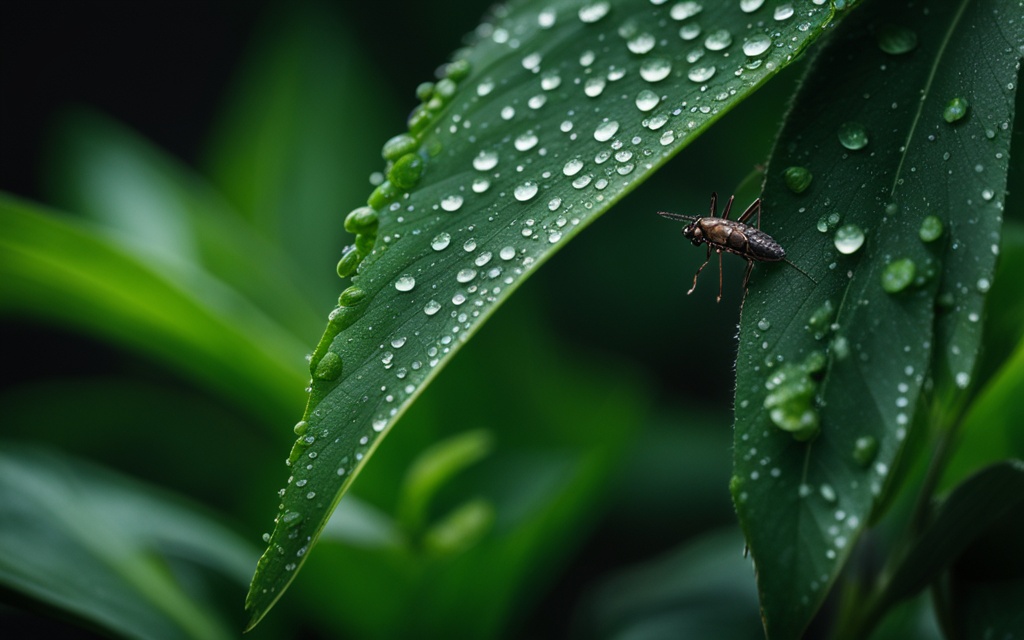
[[735, 236]]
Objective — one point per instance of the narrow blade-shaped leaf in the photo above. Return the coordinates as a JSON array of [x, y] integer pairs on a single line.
[[552, 115], [881, 124]]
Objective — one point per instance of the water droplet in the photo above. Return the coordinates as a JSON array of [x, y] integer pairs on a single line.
[[684, 10], [405, 283], [465, 275], [485, 160], [525, 191], [399, 146], [532, 61], [572, 167], [827, 492], [750, 6], [550, 81], [481, 185], [764, 324], [841, 348], [955, 110], [820, 321], [431, 307], [329, 367], [963, 379], [783, 12], [441, 241], [756, 45], [931, 229], [655, 69], [848, 239], [865, 449], [594, 86], [526, 141], [641, 43], [718, 40], [898, 275], [452, 203], [300, 427], [647, 100], [852, 135], [896, 40], [593, 12], [983, 284], [790, 401], [405, 173], [689, 31], [701, 73], [507, 253], [606, 130], [797, 179], [469, 245]]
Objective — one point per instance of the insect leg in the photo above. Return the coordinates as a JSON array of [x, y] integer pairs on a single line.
[[746, 276], [719, 298], [714, 204], [728, 207], [701, 269], [754, 206]]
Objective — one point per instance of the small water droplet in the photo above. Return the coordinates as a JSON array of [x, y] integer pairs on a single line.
[[684, 10], [441, 241], [701, 73], [896, 40], [507, 253], [983, 284], [797, 179], [550, 81], [526, 141], [452, 202], [593, 12], [865, 449], [431, 307], [485, 160], [329, 367], [525, 191], [955, 110], [594, 86], [756, 45], [827, 492], [465, 275], [606, 130], [852, 135], [764, 324], [655, 69], [647, 100], [931, 229], [898, 275], [750, 6], [963, 379], [718, 40], [848, 239], [641, 43], [783, 12], [689, 31], [405, 283]]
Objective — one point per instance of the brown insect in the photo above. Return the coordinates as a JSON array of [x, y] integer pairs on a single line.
[[735, 236]]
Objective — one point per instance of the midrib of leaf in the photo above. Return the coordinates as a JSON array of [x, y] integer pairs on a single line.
[[366, 393], [926, 92]]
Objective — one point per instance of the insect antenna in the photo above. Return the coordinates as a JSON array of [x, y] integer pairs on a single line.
[[801, 271], [677, 216]]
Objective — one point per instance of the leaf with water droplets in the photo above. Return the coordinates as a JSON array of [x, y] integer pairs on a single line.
[[868, 123], [550, 117]]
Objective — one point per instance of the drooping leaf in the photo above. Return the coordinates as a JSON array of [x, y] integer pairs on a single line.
[[903, 122], [57, 514], [191, 321], [169, 218], [552, 115]]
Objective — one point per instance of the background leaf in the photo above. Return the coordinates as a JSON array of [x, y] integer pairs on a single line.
[[549, 118], [850, 355], [129, 547]]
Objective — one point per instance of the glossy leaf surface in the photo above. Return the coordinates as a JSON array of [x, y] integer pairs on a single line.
[[897, 298]]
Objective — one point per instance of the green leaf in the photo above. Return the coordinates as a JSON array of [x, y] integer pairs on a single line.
[[844, 360], [968, 512], [302, 123], [65, 270], [550, 117], [121, 541], [169, 218]]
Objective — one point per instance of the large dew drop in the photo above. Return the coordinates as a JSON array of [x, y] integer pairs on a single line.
[[848, 239], [852, 135], [756, 45], [898, 275], [405, 283], [655, 69], [525, 191], [931, 229], [955, 110], [593, 12]]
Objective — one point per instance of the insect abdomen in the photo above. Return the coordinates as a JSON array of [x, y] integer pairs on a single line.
[[762, 246]]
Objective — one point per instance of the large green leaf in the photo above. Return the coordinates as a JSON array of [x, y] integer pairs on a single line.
[[552, 115], [93, 545], [188, 319], [829, 375]]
